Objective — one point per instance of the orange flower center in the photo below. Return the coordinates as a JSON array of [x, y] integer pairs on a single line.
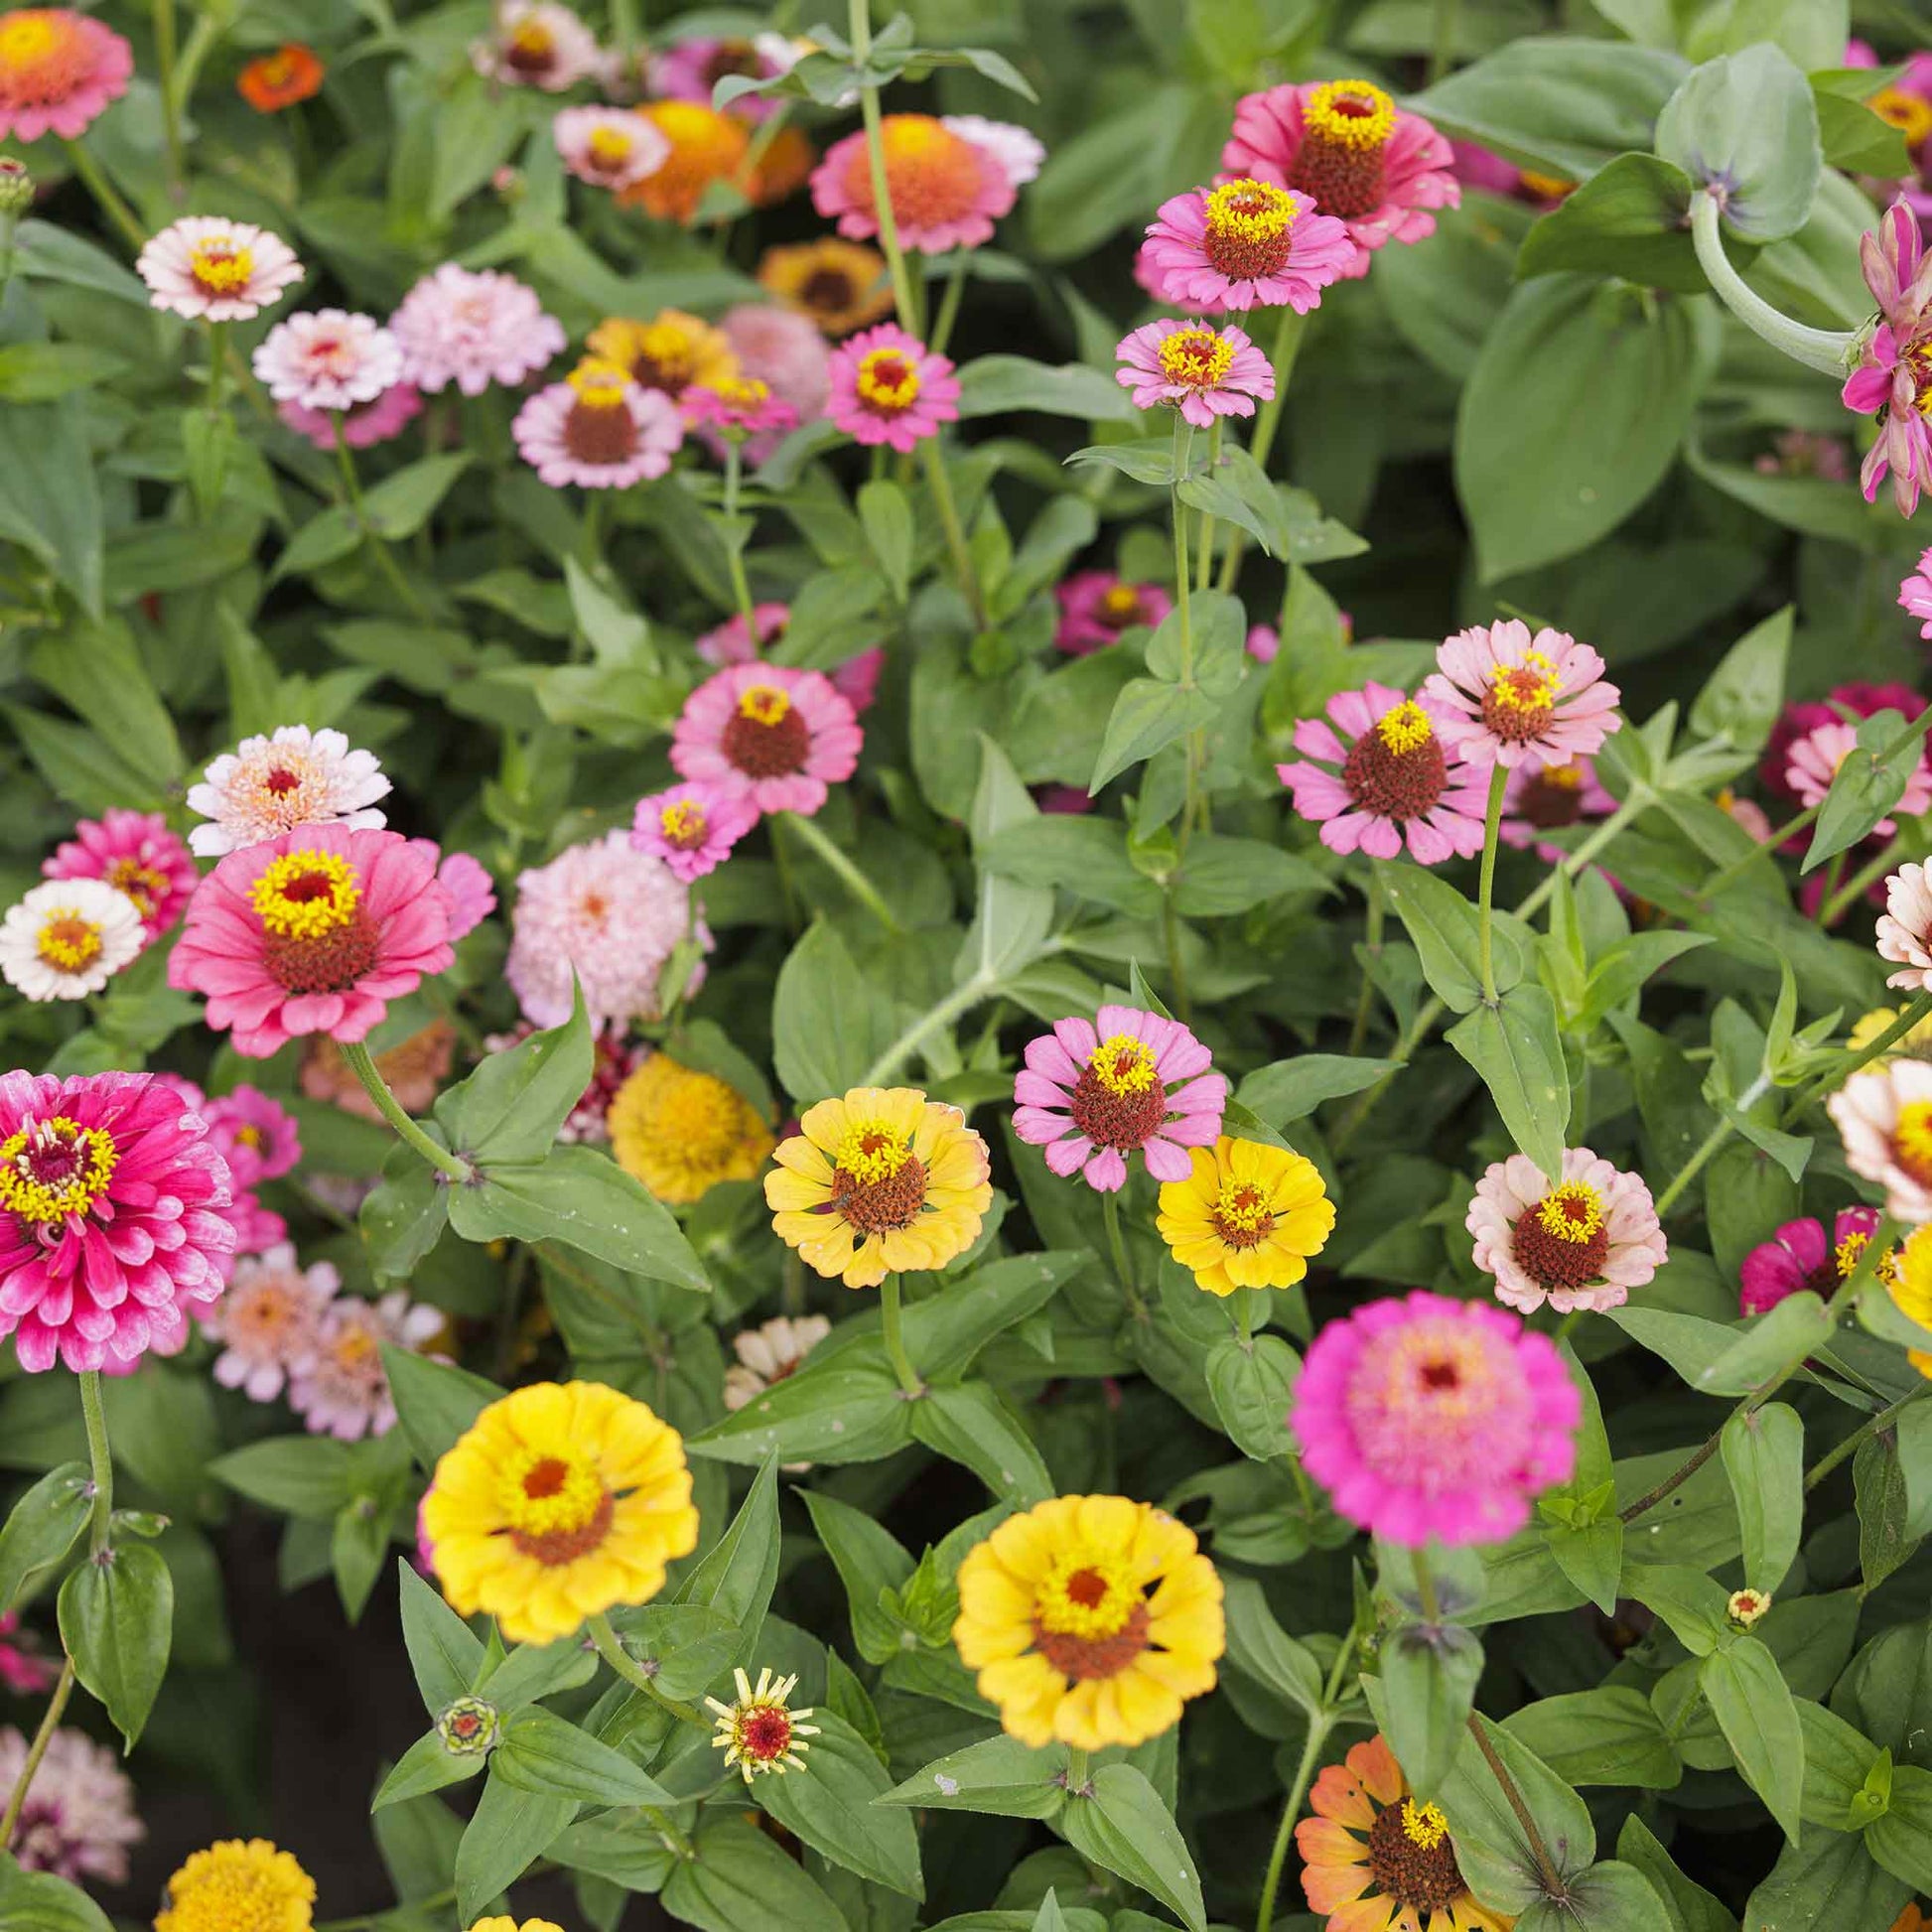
[[935, 176]]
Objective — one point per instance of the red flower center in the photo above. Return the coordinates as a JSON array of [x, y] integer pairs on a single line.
[[765, 1734], [281, 782], [599, 435]]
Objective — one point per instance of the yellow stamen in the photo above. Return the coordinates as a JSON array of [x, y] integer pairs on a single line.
[[1528, 686], [1424, 1824], [303, 895], [1087, 1593], [609, 147], [1349, 114], [889, 378], [871, 1151], [600, 385], [682, 823], [1406, 728], [1123, 1065], [1572, 1212], [66, 941], [1249, 211], [545, 1491], [1911, 1139], [86, 1155], [218, 264], [764, 704], [1198, 357]]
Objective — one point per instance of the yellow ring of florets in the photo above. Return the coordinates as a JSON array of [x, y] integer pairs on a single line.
[[1324, 115], [1555, 1217], [330, 893], [1405, 728], [1123, 1065], [23, 1192]]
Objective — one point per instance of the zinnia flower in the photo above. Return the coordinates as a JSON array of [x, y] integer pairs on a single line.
[[1814, 761], [362, 427], [1907, 1275], [80, 1818], [691, 827], [1091, 1621], [839, 285], [219, 270], [1244, 244], [1476, 167], [883, 1181], [472, 891], [1583, 1242], [737, 407], [608, 147], [1799, 719], [669, 353], [1376, 169], [1248, 1215], [1544, 798], [1884, 1115], [272, 81], [1905, 928], [731, 642], [1797, 1257], [68, 938], [559, 1503], [768, 734], [784, 351], [113, 1218], [1894, 374], [215, 1887], [1915, 592], [691, 70], [946, 191], [888, 387], [1019, 150], [536, 43], [472, 328], [1427, 1417], [312, 932], [1094, 1091], [681, 1131], [329, 360], [598, 429], [1401, 1871], [771, 1352], [606, 911], [1204, 373], [341, 1388], [258, 1135], [270, 785], [59, 69], [136, 854], [1377, 774], [1096, 606], [270, 1321], [705, 147], [757, 1731], [1506, 696]]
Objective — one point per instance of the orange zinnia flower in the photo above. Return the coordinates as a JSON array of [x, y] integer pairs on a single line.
[[272, 81]]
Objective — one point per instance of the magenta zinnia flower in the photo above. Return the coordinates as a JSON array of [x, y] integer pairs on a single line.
[[1894, 374], [856, 680], [58, 71], [329, 360], [739, 406], [1582, 1243], [1797, 1257], [113, 1217], [1425, 1417], [1542, 799], [888, 388], [1915, 594], [214, 269], [1094, 1091], [1204, 373], [1364, 161], [1385, 776], [692, 827], [776, 736], [1245, 245], [1506, 697], [1096, 606], [946, 189], [312, 932], [1813, 762], [258, 1135], [472, 328], [136, 854], [364, 426], [598, 429]]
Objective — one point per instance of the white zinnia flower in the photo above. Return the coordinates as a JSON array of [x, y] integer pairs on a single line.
[[270, 785], [68, 938]]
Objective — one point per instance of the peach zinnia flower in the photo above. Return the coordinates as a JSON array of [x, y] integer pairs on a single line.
[[946, 190], [1905, 928], [1506, 696], [705, 147], [608, 147], [668, 353], [203, 266], [272, 81], [59, 69]]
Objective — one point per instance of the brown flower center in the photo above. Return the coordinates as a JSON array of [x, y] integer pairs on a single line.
[[1412, 1858], [828, 289], [1345, 128], [1240, 1215], [883, 1205], [1397, 770], [1249, 229], [767, 738], [565, 1545], [1565, 1239], [1521, 699], [326, 962], [1084, 1659], [1553, 799], [599, 435], [1120, 1100]]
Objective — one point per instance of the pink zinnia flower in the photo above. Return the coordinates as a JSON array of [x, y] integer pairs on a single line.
[[1583, 1242], [856, 680], [610, 911], [1096, 606], [785, 350], [1264, 642], [23, 1671], [472, 328], [258, 1136], [78, 1819], [1245, 245], [136, 854], [614, 1060], [1385, 776], [1094, 1091], [888, 387], [472, 891], [312, 932], [598, 429], [1204, 373], [218, 270], [329, 360], [1803, 716], [1374, 168], [58, 71], [773, 736], [946, 191], [692, 827], [1508, 697], [362, 427], [536, 43], [690, 69], [1905, 928], [1884, 1116], [1425, 1417], [608, 147], [341, 1389], [1894, 374], [1797, 1257], [270, 1321], [739, 406], [267, 787], [1478, 168], [113, 1217], [1805, 453], [1915, 592], [1544, 798], [1020, 152], [1814, 761]]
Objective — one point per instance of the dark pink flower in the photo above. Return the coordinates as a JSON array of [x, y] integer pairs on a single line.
[[888, 387], [1893, 380], [1096, 606], [1203, 371], [1797, 1257], [692, 827], [1546, 798], [136, 854], [1244, 244]]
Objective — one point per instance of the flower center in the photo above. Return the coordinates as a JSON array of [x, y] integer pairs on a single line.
[[1565, 1239], [1118, 1100], [1405, 729], [766, 736], [1241, 1214], [1911, 1141], [609, 147], [1553, 797], [533, 47], [1248, 229], [1850, 1252], [877, 1182], [27, 36], [53, 1169], [829, 289], [1120, 606], [1397, 771], [933, 176], [600, 430], [303, 895], [1346, 129], [146, 887], [1521, 699], [44, 56], [888, 381], [281, 782], [764, 1734], [1091, 1619], [682, 824], [554, 1504], [220, 266], [1911, 115], [665, 357], [262, 1316], [1412, 1858], [698, 1116], [67, 942], [1196, 358]]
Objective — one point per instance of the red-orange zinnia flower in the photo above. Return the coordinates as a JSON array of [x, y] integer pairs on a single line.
[[272, 81]]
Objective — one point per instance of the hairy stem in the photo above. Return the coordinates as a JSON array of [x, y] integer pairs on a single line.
[[889, 1318], [1546, 1865], [100, 1460], [391, 1110]]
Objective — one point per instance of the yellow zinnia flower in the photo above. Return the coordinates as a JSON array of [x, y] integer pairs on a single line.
[[878, 1183], [1909, 1284], [681, 1132], [560, 1502], [671, 352], [1916, 1041], [500, 1923], [1249, 1215], [840, 285], [234, 1886], [1056, 1617]]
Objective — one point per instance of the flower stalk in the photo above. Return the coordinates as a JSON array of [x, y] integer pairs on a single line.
[[1827, 350], [889, 1319], [391, 1109]]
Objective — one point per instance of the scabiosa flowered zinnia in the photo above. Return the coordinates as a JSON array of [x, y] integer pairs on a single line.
[[888, 388], [1584, 1241], [1203, 371], [270, 785], [58, 71], [1096, 606], [681, 1131], [1884, 1116], [218, 270], [1798, 1256], [342, 1388], [269, 1321], [137, 853], [536, 43], [946, 190], [68, 938], [1096, 1091], [777, 736], [1244, 244], [472, 328], [1248, 1215], [608, 147], [328, 360], [79, 1820], [757, 1730], [598, 429], [1506, 696], [691, 827]]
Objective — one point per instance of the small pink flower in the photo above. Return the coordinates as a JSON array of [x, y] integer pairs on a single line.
[[888, 387], [472, 891], [1204, 373], [1244, 244], [1583, 1242], [1797, 719], [1019, 151], [79, 1820], [1797, 1257], [136, 854], [472, 328], [1096, 606], [856, 680], [1094, 1091], [692, 827], [342, 1390], [1884, 1116], [536, 43], [1427, 1417], [1915, 594], [258, 1136], [1815, 757], [217, 270], [787, 351], [21, 1670], [1895, 367], [58, 71], [738, 406], [1478, 168], [608, 147], [1747, 813], [689, 69], [598, 429], [1905, 928], [1508, 697], [946, 190], [1264, 642], [363, 426], [1546, 798], [776, 736], [329, 360], [269, 1321], [1378, 771]]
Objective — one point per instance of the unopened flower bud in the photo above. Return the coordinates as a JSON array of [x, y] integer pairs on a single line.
[[16, 187], [469, 1728]]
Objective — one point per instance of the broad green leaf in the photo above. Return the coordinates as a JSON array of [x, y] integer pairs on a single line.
[[40, 1529], [1630, 219], [835, 1808], [1000, 1775], [1879, 1485], [542, 1753], [1691, 1907], [1746, 123], [1752, 1704], [1253, 1386], [510, 1108], [116, 1615], [1149, 715], [845, 1410], [510, 1829], [1285, 1091], [436, 1402], [968, 1423], [1259, 1646], [1902, 1839], [444, 1652], [870, 1560], [1002, 385], [1608, 1735], [1764, 1456], [1125, 1828], [739, 1878], [1516, 1051], [1429, 1683], [737, 1576]]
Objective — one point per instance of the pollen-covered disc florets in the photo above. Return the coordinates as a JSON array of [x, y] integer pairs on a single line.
[[757, 1731], [1583, 1240]]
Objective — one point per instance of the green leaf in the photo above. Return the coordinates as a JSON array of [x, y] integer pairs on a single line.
[[542, 1753], [945, 1333], [1838, 1765], [535, 1671], [829, 1021], [1253, 1386], [686, 1647], [1746, 123], [1740, 701], [1752, 1705], [1429, 1686], [1260, 1647], [1608, 1735], [1691, 1603], [1797, 1326], [1149, 715], [1764, 1456], [1516, 1050], [1147, 459], [1856, 139], [846, 1409], [510, 1108], [425, 1767], [99, 672], [1001, 385], [1629, 221], [1446, 931], [400, 504], [307, 1475], [1290, 1090], [1879, 1485], [1223, 875], [510, 1829], [444, 1652], [1000, 1776], [870, 1560], [834, 1806], [1902, 1839], [1691, 1907], [38, 1901], [1827, 1879], [359, 1542], [1869, 781], [49, 501], [1125, 1828], [969, 1423], [1014, 909], [737, 1577], [1608, 1897], [739, 1878], [40, 1529], [885, 517], [436, 1402], [1083, 855], [117, 1614]]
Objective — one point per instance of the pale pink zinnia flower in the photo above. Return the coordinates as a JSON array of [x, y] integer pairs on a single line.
[[692, 827], [1244, 244], [113, 1217], [1365, 161], [312, 932], [270, 785], [1796, 1256], [536, 43], [1376, 772], [1884, 1115], [342, 1390], [1204, 373], [58, 71], [472, 328], [1427, 1417], [888, 388], [1542, 799], [1094, 1091], [606, 910], [68, 938], [1813, 763], [608, 147], [78, 1819], [269, 1321], [1582, 1243], [329, 360], [771, 1352], [1506, 697], [1096, 606], [1915, 594], [946, 191], [363, 426], [1894, 374], [856, 680], [218, 270], [136, 854], [598, 429], [1019, 150], [776, 736], [1905, 928]]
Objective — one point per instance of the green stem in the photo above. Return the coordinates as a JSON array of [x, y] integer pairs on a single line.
[[1861, 882], [593, 532], [859, 13], [962, 999], [49, 1723], [1076, 1773], [1290, 332], [1204, 559], [949, 304], [962, 558], [166, 54], [1491, 829], [1693, 1166], [206, 29], [390, 1108], [889, 1318], [734, 548], [855, 881], [1834, 873], [1546, 1865], [1572, 866], [1117, 1244], [609, 1646], [1767, 849], [352, 491], [218, 363], [1870, 1426], [1372, 944], [1298, 1792], [107, 196], [101, 1461], [1170, 935], [1432, 1608], [1826, 350], [1909, 1017]]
